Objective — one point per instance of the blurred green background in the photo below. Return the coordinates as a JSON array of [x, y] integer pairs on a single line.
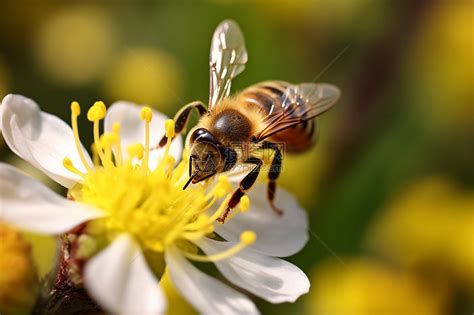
[[390, 186]]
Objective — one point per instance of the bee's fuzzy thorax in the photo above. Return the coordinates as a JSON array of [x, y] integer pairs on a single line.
[[242, 120]]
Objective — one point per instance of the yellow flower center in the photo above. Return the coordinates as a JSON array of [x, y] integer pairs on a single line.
[[149, 205]]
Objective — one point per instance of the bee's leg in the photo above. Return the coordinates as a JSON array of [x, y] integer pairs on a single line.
[[182, 117], [244, 186], [273, 174]]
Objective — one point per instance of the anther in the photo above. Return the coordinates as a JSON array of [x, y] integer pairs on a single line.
[[248, 237], [244, 203], [67, 163], [116, 127], [96, 112], [224, 181], [146, 114], [109, 139], [102, 107], [169, 125], [93, 113], [75, 112], [136, 150], [75, 108], [220, 192]]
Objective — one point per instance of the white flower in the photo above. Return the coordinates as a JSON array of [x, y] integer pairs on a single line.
[[136, 208]]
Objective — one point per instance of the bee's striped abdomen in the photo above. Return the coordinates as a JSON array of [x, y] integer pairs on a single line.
[[269, 97]]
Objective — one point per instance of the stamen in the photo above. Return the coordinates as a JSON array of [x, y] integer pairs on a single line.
[[67, 163], [75, 112], [146, 115], [136, 150], [95, 155], [221, 188], [150, 205], [118, 145], [246, 238], [224, 181], [201, 221], [244, 203], [169, 126], [190, 236], [107, 141], [220, 210], [170, 163], [95, 114]]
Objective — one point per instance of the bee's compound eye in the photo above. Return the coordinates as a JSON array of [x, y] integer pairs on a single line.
[[206, 156], [202, 135]]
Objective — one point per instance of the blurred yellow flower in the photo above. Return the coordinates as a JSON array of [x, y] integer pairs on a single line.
[[44, 251], [443, 65], [432, 222], [18, 279], [364, 287], [146, 76], [73, 47], [21, 19]]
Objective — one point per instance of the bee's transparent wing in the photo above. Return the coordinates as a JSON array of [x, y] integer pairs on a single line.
[[300, 102], [227, 59]]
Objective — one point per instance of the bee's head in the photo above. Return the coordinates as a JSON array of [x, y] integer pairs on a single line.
[[207, 156]]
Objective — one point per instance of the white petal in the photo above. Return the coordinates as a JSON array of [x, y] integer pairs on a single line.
[[270, 278], [277, 235], [132, 129], [30, 205], [42, 139], [208, 295], [119, 279]]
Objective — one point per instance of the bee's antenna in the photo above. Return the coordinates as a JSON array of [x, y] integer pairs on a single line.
[[190, 179]]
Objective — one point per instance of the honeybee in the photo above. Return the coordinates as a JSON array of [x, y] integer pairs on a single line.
[[264, 116]]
